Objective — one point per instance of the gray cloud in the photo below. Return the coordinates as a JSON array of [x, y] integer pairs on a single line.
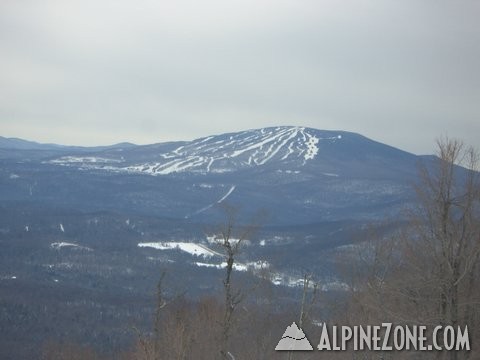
[[90, 72]]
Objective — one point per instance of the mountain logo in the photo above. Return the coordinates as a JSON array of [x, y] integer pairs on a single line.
[[294, 339]]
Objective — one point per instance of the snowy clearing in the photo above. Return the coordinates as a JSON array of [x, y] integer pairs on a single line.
[[191, 248]]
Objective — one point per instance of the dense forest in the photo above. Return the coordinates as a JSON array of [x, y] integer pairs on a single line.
[[422, 272]]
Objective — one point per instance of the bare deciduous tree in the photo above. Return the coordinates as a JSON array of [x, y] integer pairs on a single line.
[[449, 230], [230, 236], [427, 273], [309, 298]]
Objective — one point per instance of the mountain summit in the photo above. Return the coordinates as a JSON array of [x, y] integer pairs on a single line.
[[234, 151], [222, 153], [282, 148], [297, 174]]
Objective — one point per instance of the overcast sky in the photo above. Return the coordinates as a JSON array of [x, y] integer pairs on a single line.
[[97, 72]]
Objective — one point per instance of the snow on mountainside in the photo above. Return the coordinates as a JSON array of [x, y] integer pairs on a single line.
[[298, 174], [221, 153]]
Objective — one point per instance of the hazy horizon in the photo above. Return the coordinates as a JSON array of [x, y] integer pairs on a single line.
[[95, 73], [191, 139]]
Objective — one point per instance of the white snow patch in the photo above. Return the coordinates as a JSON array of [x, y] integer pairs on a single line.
[[233, 241], [259, 265], [237, 266], [191, 248], [27, 229], [290, 171], [7, 277], [62, 229], [178, 165], [291, 281], [14, 176], [256, 265], [335, 285], [312, 148], [220, 171], [330, 174], [212, 239], [59, 245], [83, 159], [216, 266], [286, 280], [176, 151], [210, 164], [206, 139], [277, 280]]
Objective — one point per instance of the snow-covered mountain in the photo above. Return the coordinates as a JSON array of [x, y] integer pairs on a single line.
[[221, 153], [297, 174], [239, 150], [287, 148]]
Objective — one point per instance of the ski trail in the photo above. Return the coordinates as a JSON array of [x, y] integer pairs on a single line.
[[229, 192]]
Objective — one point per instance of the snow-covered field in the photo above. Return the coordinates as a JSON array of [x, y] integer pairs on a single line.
[[200, 250], [205, 257], [191, 248]]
